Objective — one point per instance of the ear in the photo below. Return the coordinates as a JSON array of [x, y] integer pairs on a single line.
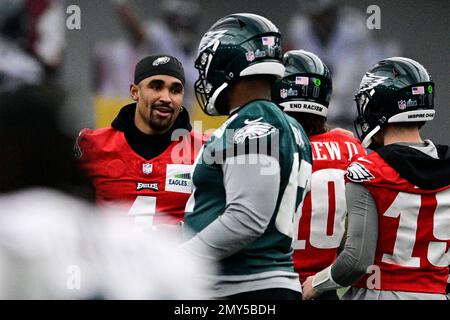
[[134, 92]]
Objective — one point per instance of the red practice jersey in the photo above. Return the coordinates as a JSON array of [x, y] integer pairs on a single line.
[[153, 191], [413, 248], [322, 220]]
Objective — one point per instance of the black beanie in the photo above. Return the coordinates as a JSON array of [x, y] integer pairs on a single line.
[[158, 64]]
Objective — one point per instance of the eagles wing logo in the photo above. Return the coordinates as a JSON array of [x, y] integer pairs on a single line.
[[254, 129], [210, 38], [370, 81], [356, 172], [160, 60]]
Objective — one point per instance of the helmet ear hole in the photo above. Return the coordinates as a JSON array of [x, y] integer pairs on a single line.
[[374, 108]]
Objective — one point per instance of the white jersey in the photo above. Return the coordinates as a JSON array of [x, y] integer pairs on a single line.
[[55, 247]]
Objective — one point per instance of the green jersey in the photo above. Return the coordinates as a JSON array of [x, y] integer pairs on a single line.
[[248, 181]]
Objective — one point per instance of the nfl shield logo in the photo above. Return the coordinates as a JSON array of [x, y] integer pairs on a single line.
[[147, 168], [250, 56], [283, 93], [401, 104]]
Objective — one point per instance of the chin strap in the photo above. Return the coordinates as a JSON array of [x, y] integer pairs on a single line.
[[210, 107]]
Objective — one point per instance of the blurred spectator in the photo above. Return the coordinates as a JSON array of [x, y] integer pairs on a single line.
[[338, 34], [52, 244], [172, 33], [31, 41]]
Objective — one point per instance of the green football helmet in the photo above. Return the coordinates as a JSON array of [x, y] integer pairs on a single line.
[[393, 90], [306, 85], [236, 46]]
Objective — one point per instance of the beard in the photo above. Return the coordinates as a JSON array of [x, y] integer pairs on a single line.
[[159, 123]]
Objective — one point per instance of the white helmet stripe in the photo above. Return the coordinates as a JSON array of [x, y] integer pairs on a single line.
[[304, 106], [271, 68], [413, 116], [368, 139]]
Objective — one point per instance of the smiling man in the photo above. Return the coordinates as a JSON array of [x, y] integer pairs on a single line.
[[139, 163], [158, 90]]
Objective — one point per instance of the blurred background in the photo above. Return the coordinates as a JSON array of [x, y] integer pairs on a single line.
[[93, 66]]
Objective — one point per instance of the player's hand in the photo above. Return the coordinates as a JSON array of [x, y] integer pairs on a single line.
[[309, 293], [344, 131]]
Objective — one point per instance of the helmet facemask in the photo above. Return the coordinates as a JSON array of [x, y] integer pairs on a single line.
[[369, 120], [203, 88]]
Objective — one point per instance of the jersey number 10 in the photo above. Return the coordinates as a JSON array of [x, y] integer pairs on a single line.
[[328, 209]]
